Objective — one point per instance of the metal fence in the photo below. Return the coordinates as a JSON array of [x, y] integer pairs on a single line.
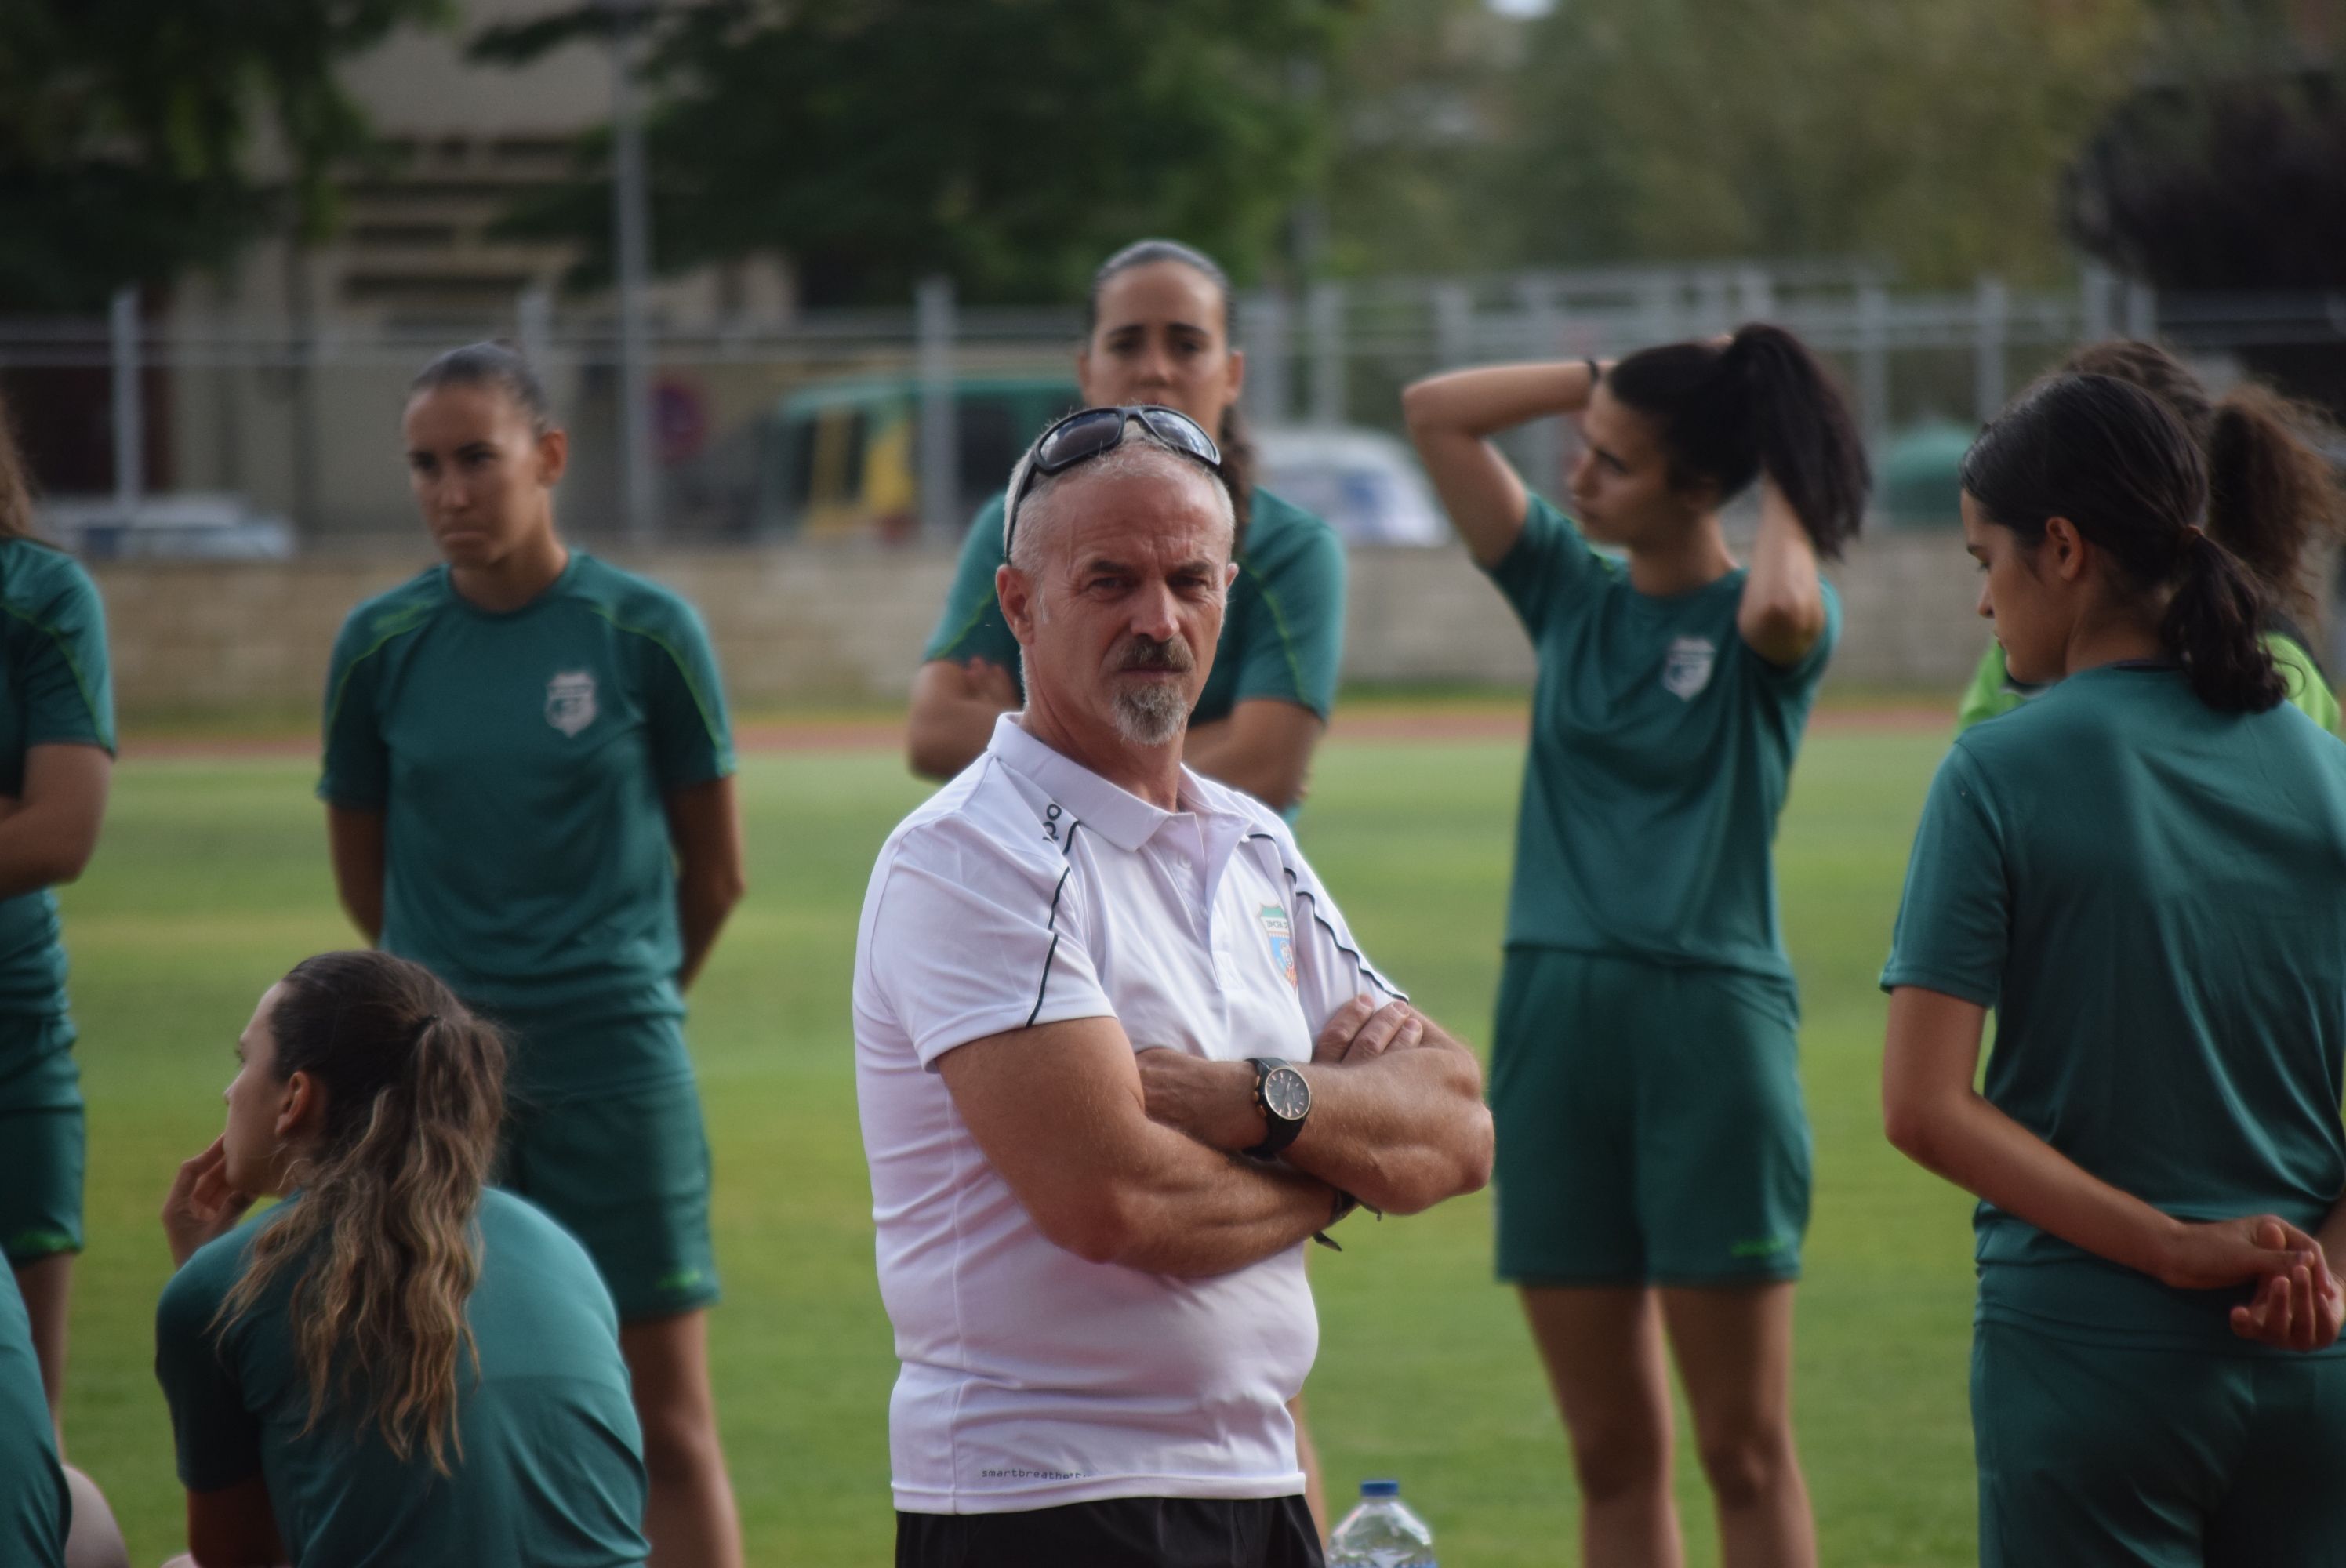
[[300, 420]]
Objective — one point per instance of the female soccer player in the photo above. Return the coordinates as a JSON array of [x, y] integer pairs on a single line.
[[396, 1364], [2271, 499], [528, 779], [1157, 331], [57, 759], [1653, 1164], [2140, 871]]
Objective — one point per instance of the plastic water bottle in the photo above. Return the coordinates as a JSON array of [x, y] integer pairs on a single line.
[[1382, 1532]]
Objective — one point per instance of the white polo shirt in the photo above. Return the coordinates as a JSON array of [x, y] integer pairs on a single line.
[[1028, 890]]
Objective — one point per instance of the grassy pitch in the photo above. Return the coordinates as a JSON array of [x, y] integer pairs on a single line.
[[212, 880]]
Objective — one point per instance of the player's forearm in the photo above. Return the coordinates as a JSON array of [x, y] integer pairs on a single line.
[[1221, 754], [1485, 401], [1956, 1134], [702, 906], [42, 847], [945, 734], [1782, 610]]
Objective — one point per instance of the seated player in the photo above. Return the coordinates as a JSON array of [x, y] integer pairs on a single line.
[[395, 1365]]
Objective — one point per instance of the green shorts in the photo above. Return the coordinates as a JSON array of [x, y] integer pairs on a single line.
[[626, 1172], [1649, 1124], [43, 1140], [2099, 1456]]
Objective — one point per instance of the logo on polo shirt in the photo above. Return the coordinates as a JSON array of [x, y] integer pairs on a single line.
[[570, 701], [1688, 669], [1275, 925]]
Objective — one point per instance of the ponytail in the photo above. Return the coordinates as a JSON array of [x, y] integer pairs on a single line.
[[2213, 627], [2270, 493], [381, 1243], [16, 489], [2117, 462], [1763, 403], [1240, 461]]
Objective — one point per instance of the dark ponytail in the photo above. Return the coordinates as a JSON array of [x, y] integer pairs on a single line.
[[2271, 492], [1762, 403], [2118, 465]]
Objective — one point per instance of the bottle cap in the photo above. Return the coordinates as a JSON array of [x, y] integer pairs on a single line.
[[1380, 1489]]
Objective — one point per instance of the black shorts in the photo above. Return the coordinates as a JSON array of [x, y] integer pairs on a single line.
[[1118, 1532]]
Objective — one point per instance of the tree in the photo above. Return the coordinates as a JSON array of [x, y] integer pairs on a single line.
[[1927, 134], [127, 130], [1008, 143]]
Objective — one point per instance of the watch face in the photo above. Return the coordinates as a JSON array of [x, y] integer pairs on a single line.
[[1286, 1094]]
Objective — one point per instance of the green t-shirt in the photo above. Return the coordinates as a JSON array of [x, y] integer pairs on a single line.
[[1992, 690], [552, 1472], [1661, 750], [522, 761], [36, 1509], [56, 690], [2148, 892], [1282, 634]]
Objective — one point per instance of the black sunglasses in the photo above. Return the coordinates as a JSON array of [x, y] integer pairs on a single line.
[[1088, 432]]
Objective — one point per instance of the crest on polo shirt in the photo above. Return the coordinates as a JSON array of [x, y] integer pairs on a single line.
[[570, 701], [1686, 670], [1282, 932]]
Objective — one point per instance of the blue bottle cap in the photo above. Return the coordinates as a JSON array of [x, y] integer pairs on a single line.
[[1380, 1489]]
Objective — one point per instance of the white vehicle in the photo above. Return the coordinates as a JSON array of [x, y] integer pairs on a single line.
[[1366, 483], [179, 525]]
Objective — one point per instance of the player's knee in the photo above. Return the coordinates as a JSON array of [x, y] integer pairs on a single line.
[[1616, 1461], [1746, 1465]]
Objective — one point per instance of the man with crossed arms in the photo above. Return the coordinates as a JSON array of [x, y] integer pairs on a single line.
[[1117, 1060]]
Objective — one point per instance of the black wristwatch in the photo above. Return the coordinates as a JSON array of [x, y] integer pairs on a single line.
[[1284, 1098]]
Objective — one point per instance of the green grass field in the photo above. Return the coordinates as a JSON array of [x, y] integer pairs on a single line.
[[212, 879]]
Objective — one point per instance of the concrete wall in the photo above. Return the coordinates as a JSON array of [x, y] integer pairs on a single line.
[[806, 623]]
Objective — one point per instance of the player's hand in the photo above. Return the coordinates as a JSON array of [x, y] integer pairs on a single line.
[[2299, 1310], [202, 1206], [10, 805], [989, 682], [1212, 1102], [1361, 1031], [2227, 1252]]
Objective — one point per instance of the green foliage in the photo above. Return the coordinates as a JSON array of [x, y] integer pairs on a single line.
[[1417, 101], [212, 880], [1009, 143], [1926, 134], [126, 129]]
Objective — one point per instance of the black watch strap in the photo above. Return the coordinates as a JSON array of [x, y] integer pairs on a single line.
[[1277, 1131]]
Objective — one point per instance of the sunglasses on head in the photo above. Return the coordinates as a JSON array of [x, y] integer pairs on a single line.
[[1088, 432]]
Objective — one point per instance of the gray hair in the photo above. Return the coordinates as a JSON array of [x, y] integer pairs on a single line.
[[1141, 451], [489, 365]]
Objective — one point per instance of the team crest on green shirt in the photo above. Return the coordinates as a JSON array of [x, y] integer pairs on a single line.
[[570, 701], [1688, 669], [1282, 940]]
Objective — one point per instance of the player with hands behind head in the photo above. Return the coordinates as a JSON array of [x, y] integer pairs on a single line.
[[1653, 1154]]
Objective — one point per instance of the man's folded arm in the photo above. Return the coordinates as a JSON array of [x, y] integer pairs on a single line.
[[1058, 1110], [1397, 1116], [1401, 1131]]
